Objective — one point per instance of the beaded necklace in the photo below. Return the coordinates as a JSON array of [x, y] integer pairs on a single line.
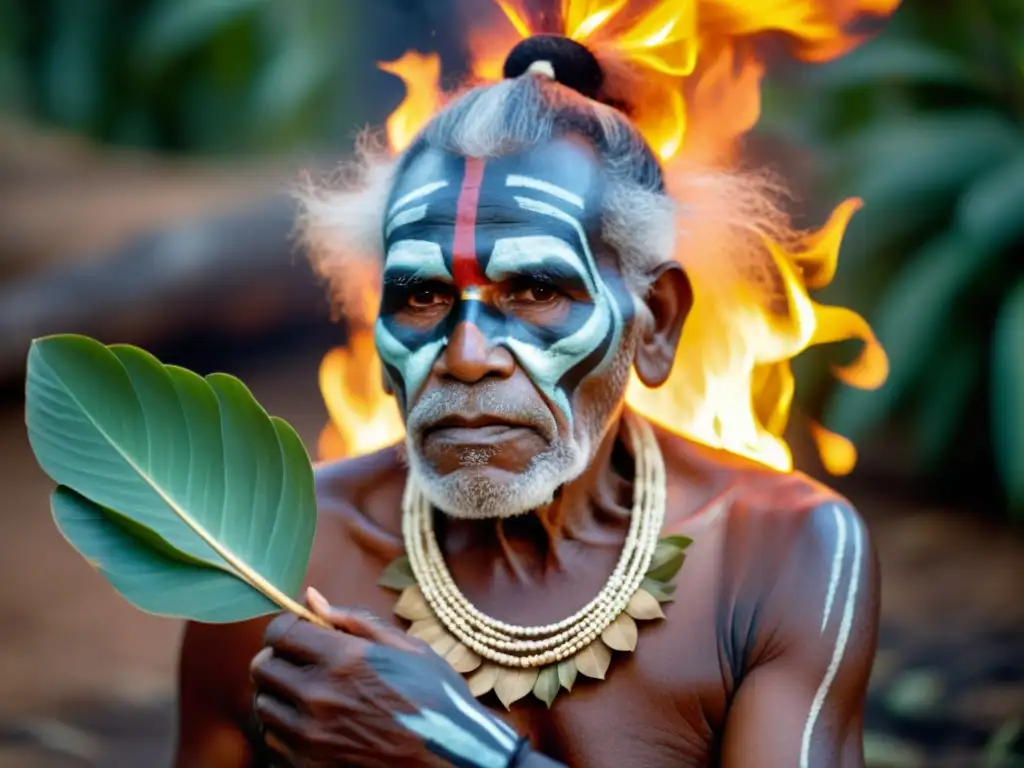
[[514, 661]]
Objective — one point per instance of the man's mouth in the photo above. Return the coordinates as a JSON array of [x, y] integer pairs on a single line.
[[479, 430]]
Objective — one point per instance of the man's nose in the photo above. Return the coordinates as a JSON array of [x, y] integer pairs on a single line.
[[470, 357]]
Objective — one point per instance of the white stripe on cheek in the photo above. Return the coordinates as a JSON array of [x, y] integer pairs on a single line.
[[413, 365], [540, 185], [601, 291]]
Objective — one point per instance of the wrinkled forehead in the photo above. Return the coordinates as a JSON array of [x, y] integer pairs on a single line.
[[435, 189]]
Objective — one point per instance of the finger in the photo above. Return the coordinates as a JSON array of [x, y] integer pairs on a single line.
[[282, 724], [357, 622], [258, 659], [281, 679], [301, 641]]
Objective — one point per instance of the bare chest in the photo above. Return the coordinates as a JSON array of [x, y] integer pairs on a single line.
[[636, 717], [661, 705]]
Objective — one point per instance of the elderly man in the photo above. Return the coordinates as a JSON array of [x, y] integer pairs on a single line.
[[533, 525]]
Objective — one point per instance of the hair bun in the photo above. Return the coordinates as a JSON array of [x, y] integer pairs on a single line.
[[566, 61]]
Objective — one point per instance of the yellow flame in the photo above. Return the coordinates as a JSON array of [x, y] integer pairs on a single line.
[[732, 386], [517, 20], [583, 19], [838, 455], [363, 417], [421, 75]]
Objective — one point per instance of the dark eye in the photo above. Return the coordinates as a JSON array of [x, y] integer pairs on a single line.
[[427, 299], [534, 293]]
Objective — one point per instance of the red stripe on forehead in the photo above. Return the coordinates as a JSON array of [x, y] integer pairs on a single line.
[[465, 266]]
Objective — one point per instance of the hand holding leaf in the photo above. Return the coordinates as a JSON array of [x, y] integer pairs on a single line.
[[188, 498]]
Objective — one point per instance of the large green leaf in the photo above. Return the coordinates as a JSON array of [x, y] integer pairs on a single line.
[[913, 321], [196, 462], [1008, 396], [148, 573]]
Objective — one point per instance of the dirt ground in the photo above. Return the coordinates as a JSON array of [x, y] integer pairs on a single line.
[[86, 680]]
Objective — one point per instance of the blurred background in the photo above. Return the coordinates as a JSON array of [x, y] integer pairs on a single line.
[[145, 149]]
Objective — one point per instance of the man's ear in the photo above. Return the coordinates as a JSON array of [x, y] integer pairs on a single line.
[[669, 300]]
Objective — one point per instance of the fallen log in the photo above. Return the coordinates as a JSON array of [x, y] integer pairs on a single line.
[[236, 275]]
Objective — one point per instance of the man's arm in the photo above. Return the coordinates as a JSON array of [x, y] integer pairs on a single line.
[[213, 683], [800, 702]]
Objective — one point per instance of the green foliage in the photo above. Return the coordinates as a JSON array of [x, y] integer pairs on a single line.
[[1008, 394], [181, 491], [926, 123], [231, 76]]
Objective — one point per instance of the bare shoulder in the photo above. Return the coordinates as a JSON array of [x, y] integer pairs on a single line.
[[755, 496], [359, 505], [786, 545], [365, 487]]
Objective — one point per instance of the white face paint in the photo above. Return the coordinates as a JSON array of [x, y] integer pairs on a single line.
[[530, 219], [547, 365], [411, 260]]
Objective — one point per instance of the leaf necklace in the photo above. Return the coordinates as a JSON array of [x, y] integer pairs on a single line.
[[514, 661]]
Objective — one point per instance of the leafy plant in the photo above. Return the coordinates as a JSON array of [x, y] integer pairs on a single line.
[[182, 75], [926, 123], [181, 491]]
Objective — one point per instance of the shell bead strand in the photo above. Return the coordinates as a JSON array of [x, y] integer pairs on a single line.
[[534, 646]]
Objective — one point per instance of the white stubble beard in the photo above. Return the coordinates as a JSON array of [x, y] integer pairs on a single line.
[[473, 495]]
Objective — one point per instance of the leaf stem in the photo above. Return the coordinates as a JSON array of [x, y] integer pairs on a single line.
[[252, 577], [298, 609]]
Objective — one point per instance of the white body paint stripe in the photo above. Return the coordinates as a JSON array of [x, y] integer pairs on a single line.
[[837, 569], [540, 185], [438, 729], [405, 217], [416, 194], [841, 639], [504, 737]]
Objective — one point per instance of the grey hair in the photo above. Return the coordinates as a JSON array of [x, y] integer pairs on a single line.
[[341, 222], [723, 218]]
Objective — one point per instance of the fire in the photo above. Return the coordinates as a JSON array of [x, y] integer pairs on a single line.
[[422, 77], [363, 417], [733, 385]]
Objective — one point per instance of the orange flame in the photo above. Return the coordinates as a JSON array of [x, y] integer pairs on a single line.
[[421, 75], [363, 418], [732, 386]]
